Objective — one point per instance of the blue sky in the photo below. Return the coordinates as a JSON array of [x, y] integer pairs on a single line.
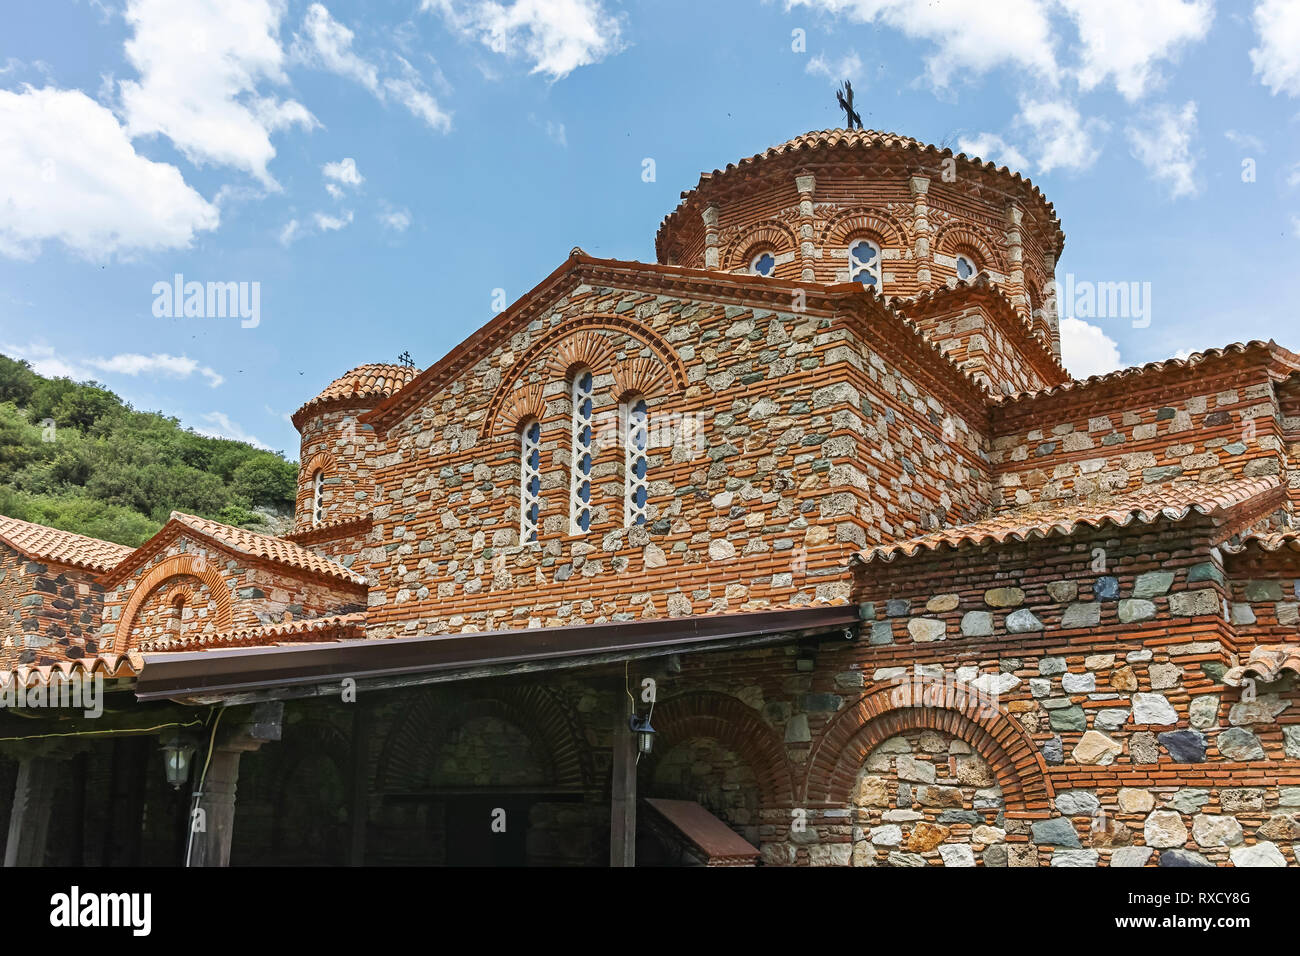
[[380, 169]]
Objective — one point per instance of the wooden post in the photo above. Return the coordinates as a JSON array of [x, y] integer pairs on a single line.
[[29, 821], [359, 809], [622, 808], [210, 845]]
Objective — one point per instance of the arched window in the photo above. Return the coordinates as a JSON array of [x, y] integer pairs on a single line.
[[580, 470], [864, 263], [763, 264], [966, 267], [318, 496], [636, 444], [530, 480], [177, 615]]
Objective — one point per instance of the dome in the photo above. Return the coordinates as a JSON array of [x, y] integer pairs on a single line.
[[365, 384], [819, 146], [891, 212]]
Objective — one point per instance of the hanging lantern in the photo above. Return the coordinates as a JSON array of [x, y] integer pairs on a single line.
[[645, 734], [177, 753]]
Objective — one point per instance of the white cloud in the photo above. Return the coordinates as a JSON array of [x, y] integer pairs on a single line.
[[1123, 41], [1277, 58], [398, 220], [1245, 140], [68, 172], [46, 361], [220, 426], [1163, 144], [327, 44], [201, 65], [846, 67], [992, 148], [328, 223], [159, 363], [1062, 139], [1087, 350], [344, 171], [969, 36], [557, 36], [291, 232]]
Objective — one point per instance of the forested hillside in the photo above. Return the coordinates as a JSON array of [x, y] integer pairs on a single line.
[[75, 456]]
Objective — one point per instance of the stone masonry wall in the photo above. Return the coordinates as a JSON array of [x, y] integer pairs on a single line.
[[48, 606], [347, 451], [814, 432], [1209, 426]]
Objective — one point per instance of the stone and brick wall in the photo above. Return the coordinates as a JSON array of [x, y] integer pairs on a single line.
[[1209, 423], [333, 441], [50, 611]]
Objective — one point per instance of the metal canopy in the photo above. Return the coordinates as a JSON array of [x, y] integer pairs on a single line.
[[236, 675]]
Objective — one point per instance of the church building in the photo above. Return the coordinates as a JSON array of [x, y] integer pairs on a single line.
[[795, 547]]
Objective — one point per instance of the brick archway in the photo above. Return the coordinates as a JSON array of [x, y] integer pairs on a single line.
[[176, 566], [415, 738], [842, 749], [736, 726]]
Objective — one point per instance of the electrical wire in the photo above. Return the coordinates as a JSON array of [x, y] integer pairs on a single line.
[[99, 733], [198, 793]]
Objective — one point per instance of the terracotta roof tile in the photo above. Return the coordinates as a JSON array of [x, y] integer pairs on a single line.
[[1266, 541], [109, 665], [269, 548], [980, 284], [1196, 358], [1267, 663], [336, 627], [1172, 502], [64, 547], [375, 381]]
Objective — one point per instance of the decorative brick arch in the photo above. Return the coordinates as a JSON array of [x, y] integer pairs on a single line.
[[580, 342], [176, 566], [525, 404], [736, 726], [770, 234], [413, 742], [954, 237], [321, 461], [880, 225], [837, 758]]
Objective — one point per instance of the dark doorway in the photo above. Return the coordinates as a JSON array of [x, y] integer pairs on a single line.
[[487, 830]]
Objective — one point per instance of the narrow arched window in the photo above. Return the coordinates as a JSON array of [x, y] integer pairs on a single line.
[[177, 616], [636, 444], [318, 496], [580, 471], [864, 263], [530, 481]]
